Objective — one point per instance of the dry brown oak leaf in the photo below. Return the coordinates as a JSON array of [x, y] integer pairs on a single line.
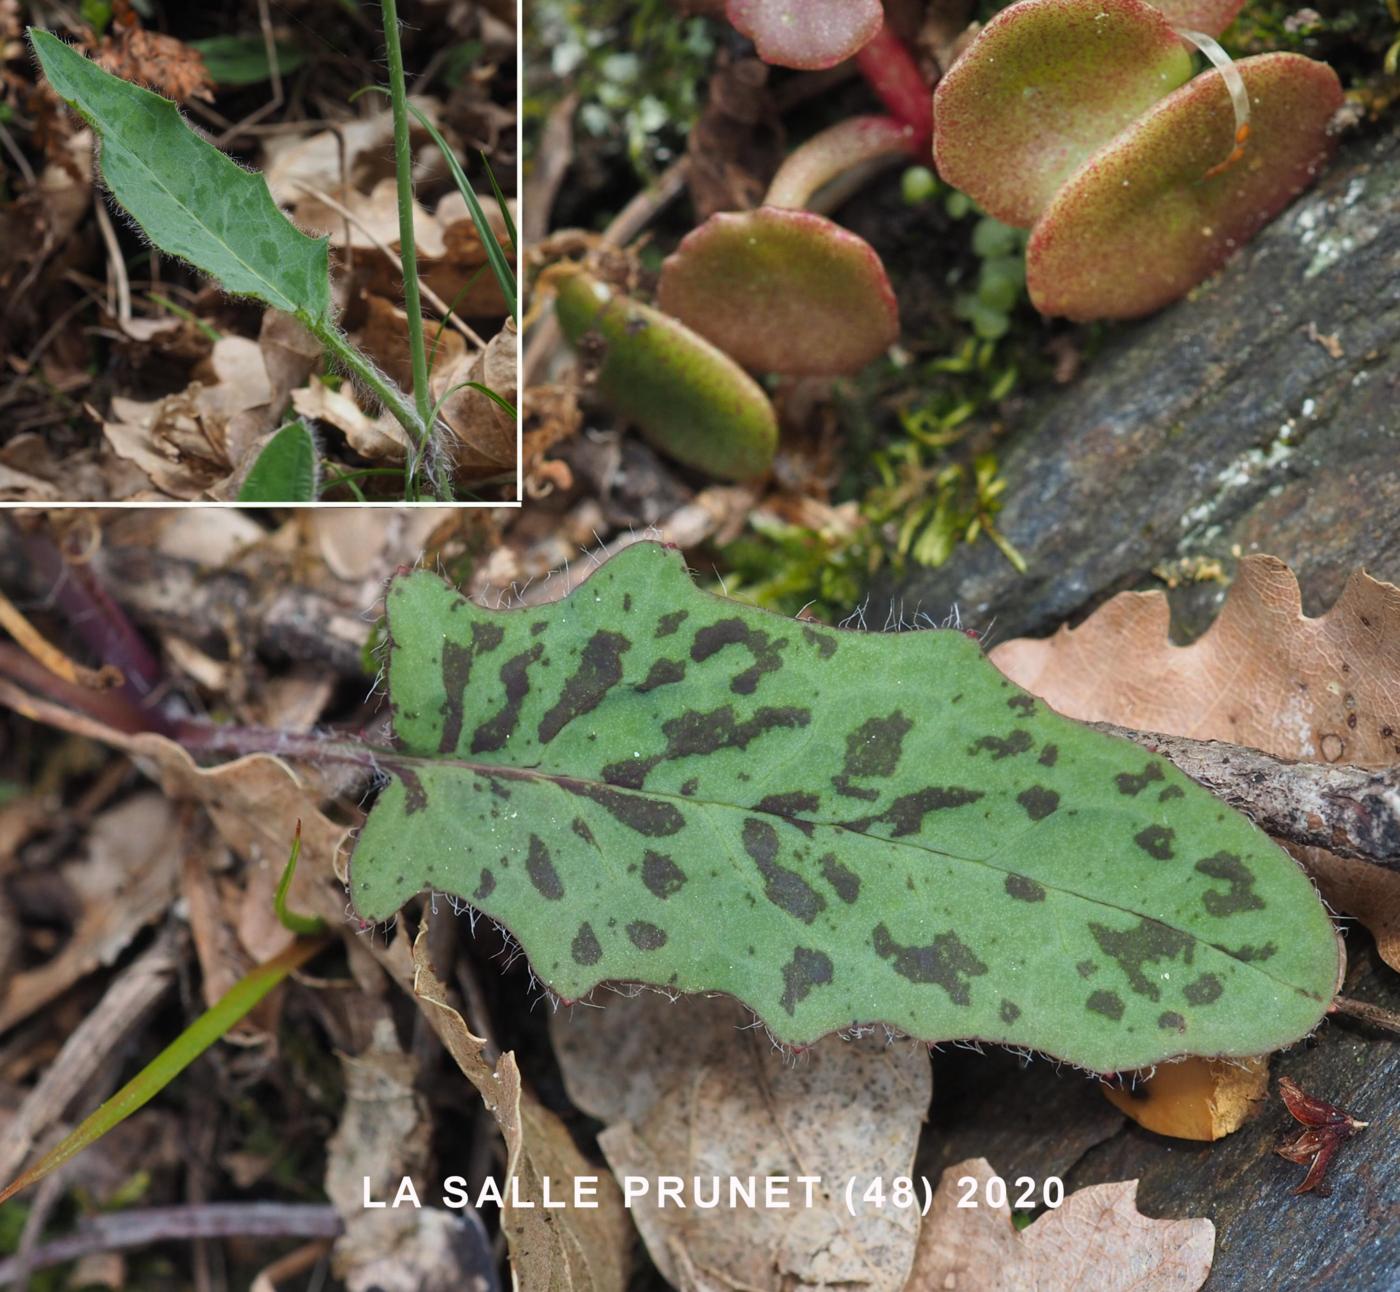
[[572, 1249], [1264, 675], [691, 1090], [1097, 1241]]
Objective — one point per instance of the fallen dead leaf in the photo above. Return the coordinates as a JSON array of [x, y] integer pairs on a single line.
[[17, 486], [200, 440], [460, 274], [359, 546], [483, 432], [254, 802], [153, 58], [384, 337], [125, 879], [569, 1250], [1263, 675], [689, 1089], [1097, 1239], [209, 536], [1200, 1099], [380, 439], [383, 1136], [375, 221], [294, 163]]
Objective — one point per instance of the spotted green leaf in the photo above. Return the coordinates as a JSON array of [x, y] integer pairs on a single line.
[[648, 783], [191, 200]]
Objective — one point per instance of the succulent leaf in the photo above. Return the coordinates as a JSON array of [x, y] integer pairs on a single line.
[[686, 396], [1045, 85], [807, 34], [782, 291], [644, 782], [1209, 16], [1147, 219]]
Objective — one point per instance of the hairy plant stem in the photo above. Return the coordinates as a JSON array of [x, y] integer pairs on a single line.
[[388, 393], [403, 168]]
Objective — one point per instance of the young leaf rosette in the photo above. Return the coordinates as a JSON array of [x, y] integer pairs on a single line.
[[647, 783]]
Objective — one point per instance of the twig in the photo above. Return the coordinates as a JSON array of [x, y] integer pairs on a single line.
[[140, 1228], [293, 1263], [275, 70], [553, 158], [1387, 1020], [17, 156], [115, 260], [53, 659], [1351, 811]]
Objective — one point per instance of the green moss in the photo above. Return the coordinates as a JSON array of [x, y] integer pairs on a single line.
[[637, 66]]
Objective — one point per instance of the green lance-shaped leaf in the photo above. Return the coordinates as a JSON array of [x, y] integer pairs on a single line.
[[644, 782], [285, 470], [191, 200]]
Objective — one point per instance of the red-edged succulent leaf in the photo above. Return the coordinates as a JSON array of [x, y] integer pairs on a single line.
[[782, 291], [687, 397], [1141, 224], [1209, 16], [1044, 86], [809, 34]]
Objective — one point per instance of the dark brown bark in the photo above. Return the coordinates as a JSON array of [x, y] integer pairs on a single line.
[[1261, 414], [1173, 444]]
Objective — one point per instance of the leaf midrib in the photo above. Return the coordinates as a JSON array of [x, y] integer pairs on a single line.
[[391, 757], [107, 137]]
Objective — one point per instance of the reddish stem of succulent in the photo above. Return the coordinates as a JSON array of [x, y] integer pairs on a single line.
[[894, 75], [835, 152]]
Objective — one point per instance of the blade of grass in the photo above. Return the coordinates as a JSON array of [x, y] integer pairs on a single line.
[[231, 1007], [180, 311], [291, 921], [491, 244], [501, 202], [492, 395]]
